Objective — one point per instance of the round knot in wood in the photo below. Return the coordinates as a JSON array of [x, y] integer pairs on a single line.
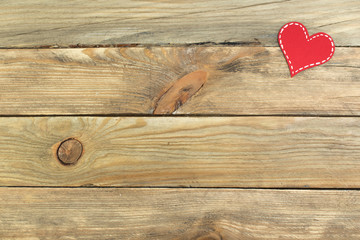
[[69, 151]]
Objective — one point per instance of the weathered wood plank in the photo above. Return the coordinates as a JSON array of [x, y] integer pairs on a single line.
[[232, 80], [183, 151], [61, 23], [41, 213]]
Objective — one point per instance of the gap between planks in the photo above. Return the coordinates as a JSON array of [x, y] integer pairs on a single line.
[[183, 115], [169, 45], [189, 188]]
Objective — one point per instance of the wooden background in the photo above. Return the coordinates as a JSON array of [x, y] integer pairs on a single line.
[[189, 123]]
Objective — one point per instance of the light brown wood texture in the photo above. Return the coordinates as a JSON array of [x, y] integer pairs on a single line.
[[240, 80], [276, 152], [84, 153], [65, 23], [182, 214]]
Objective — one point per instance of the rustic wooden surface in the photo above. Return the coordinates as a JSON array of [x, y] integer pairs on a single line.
[[240, 80], [276, 152], [201, 214], [66, 23], [123, 172]]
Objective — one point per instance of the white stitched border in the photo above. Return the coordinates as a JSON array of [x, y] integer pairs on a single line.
[[306, 35]]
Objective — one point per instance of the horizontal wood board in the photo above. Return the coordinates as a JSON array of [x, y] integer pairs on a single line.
[[261, 152], [201, 214], [42, 23], [235, 81]]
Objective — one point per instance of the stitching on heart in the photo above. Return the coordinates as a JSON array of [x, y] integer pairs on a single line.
[[306, 36]]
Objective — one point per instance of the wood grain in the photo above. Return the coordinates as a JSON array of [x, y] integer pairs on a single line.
[[241, 80], [184, 58], [280, 152], [178, 214], [181, 91], [63, 23]]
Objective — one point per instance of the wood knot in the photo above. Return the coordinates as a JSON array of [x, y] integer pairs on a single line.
[[210, 236], [183, 89], [69, 151]]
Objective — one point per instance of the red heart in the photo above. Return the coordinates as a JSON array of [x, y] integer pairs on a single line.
[[304, 52]]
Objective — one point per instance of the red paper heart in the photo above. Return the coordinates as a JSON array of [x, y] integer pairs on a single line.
[[304, 52]]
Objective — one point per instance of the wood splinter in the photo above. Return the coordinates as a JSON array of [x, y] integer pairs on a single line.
[[180, 92]]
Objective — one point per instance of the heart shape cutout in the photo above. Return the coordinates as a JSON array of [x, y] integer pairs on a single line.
[[303, 51]]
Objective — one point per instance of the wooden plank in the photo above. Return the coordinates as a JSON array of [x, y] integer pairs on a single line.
[[42, 213], [37, 22], [217, 80], [280, 152]]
